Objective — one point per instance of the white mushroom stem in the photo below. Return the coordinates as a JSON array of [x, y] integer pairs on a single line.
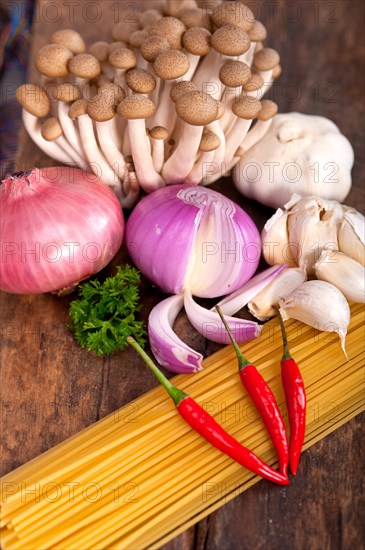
[[70, 151], [130, 190], [107, 69], [166, 115], [109, 148], [158, 154], [70, 130], [194, 62], [53, 150], [148, 177], [236, 136], [181, 162], [199, 172], [247, 57], [207, 76], [219, 155], [257, 133], [97, 161], [268, 80], [229, 118]]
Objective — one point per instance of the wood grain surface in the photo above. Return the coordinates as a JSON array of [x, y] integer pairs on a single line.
[[52, 389]]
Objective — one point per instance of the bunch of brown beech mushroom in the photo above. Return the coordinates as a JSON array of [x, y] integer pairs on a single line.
[[171, 99]]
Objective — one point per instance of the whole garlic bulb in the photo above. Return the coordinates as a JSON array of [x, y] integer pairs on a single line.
[[298, 154]]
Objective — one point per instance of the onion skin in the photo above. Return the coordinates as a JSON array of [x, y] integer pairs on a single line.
[[165, 232], [58, 226]]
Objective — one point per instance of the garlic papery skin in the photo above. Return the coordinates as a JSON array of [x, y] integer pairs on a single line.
[[278, 289], [320, 305], [351, 235], [298, 154], [313, 225], [275, 240], [344, 272]]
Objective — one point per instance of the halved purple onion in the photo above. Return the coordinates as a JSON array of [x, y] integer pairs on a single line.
[[209, 324], [171, 352]]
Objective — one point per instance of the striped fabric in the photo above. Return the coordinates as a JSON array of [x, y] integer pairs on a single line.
[[15, 35]]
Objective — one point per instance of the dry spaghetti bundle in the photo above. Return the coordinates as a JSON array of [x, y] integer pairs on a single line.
[[140, 476]]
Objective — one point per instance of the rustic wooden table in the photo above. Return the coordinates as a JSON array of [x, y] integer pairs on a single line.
[[52, 389]]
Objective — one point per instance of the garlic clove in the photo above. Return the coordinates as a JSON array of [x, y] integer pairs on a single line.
[[284, 284], [171, 352], [275, 240], [351, 235], [313, 225], [344, 272], [240, 298], [320, 305], [209, 324]]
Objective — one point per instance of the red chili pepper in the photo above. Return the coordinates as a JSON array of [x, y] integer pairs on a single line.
[[264, 401], [295, 398], [205, 425]]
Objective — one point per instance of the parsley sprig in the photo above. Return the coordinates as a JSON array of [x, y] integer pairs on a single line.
[[104, 315]]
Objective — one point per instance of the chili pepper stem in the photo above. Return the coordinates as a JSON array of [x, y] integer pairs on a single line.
[[286, 353], [175, 393], [242, 361]]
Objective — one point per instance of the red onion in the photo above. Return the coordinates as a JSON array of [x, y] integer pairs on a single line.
[[58, 226], [189, 241]]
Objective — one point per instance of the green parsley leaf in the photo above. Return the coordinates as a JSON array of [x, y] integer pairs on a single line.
[[104, 315]]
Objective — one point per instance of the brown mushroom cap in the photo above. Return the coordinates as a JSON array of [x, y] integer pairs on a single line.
[[67, 92], [257, 32], [246, 107], [196, 17], [100, 50], [266, 59], [33, 99], [123, 58], [197, 41], [149, 17], [180, 88], [174, 8], [233, 13], [84, 65], [170, 28], [99, 80], [111, 93], [153, 46], [100, 110], [171, 64], [52, 60], [268, 110], [140, 81], [122, 30], [70, 39], [159, 132], [230, 40], [255, 83], [115, 46], [51, 129], [234, 73], [277, 70], [136, 107], [137, 38], [77, 109], [209, 142], [197, 108]]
